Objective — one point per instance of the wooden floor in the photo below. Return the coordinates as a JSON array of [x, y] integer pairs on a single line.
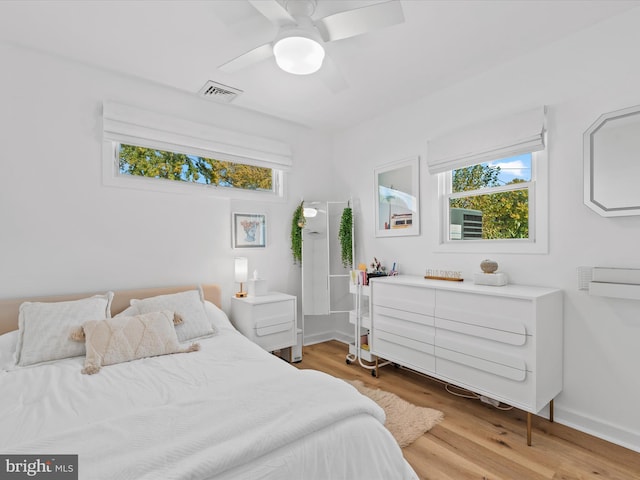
[[477, 441]]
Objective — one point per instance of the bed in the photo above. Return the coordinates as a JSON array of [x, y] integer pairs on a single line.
[[225, 410]]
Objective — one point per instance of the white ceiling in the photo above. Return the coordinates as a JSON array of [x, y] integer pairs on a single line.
[[181, 44]]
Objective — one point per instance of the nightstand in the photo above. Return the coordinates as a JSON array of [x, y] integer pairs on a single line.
[[268, 320]]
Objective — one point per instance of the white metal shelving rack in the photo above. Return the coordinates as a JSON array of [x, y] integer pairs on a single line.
[[361, 321]]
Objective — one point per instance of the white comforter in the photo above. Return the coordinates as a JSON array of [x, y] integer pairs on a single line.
[[229, 411]]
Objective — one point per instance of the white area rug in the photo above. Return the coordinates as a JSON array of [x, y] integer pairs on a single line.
[[406, 421]]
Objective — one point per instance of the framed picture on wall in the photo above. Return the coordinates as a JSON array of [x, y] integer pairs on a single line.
[[397, 198], [249, 230]]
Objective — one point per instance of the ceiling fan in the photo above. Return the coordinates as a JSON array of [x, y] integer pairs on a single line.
[[298, 45]]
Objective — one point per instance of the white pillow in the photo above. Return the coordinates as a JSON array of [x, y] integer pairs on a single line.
[[130, 311], [44, 327], [189, 305], [219, 320], [8, 343], [217, 317]]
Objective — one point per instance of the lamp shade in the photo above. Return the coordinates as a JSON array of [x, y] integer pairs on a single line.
[[309, 212], [241, 269], [298, 54]]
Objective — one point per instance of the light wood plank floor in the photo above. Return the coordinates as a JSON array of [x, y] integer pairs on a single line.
[[477, 441]]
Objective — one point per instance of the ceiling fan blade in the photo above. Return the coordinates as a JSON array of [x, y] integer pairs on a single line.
[[331, 76], [274, 12], [256, 55], [360, 20]]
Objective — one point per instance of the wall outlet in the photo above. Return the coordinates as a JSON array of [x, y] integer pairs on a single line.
[[584, 277], [490, 401]]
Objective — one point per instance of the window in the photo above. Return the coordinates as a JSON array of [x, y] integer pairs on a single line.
[[490, 200], [148, 162], [493, 186], [154, 151]]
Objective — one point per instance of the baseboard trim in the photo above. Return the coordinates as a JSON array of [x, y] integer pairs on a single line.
[[318, 338], [343, 338], [326, 337], [598, 428]]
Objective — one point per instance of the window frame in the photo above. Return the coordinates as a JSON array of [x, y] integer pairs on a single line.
[[538, 188], [125, 124]]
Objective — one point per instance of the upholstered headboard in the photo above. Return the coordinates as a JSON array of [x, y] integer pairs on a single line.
[[9, 308]]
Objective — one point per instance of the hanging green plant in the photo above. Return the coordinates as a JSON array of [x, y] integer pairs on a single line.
[[297, 224], [345, 236]]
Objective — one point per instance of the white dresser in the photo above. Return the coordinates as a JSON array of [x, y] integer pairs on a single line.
[[504, 342]]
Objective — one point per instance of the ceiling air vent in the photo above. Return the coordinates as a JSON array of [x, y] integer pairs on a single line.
[[219, 92]]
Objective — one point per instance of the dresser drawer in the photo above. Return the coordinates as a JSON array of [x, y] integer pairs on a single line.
[[515, 387], [521, 357], [403, 350], [402, 297], [400, 318], [474, 330], [513, 358], [515, 317]]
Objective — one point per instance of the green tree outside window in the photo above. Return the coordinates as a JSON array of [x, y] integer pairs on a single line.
[[149, 162], [504, 214]]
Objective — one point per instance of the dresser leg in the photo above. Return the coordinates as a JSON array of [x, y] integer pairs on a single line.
[[529, 417]]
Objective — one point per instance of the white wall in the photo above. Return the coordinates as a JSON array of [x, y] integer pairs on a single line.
[[579, 78], [64, 231]]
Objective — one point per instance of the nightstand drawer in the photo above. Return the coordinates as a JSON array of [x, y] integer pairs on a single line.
[[273, 324], [269, 320]]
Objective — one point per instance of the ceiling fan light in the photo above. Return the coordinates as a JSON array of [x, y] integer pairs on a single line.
[[298, 55]]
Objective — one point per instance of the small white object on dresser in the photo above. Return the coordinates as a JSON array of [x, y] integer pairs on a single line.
[[268, 320], [503, 343]]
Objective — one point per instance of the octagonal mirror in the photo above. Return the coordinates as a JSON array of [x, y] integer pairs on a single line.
[[612, 163]]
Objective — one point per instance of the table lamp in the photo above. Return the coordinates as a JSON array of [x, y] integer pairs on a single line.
[[242, 271]]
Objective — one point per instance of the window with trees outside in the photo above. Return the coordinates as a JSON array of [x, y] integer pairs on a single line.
[[181, 167], [493, 185], [162, 152], [491, 200]]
